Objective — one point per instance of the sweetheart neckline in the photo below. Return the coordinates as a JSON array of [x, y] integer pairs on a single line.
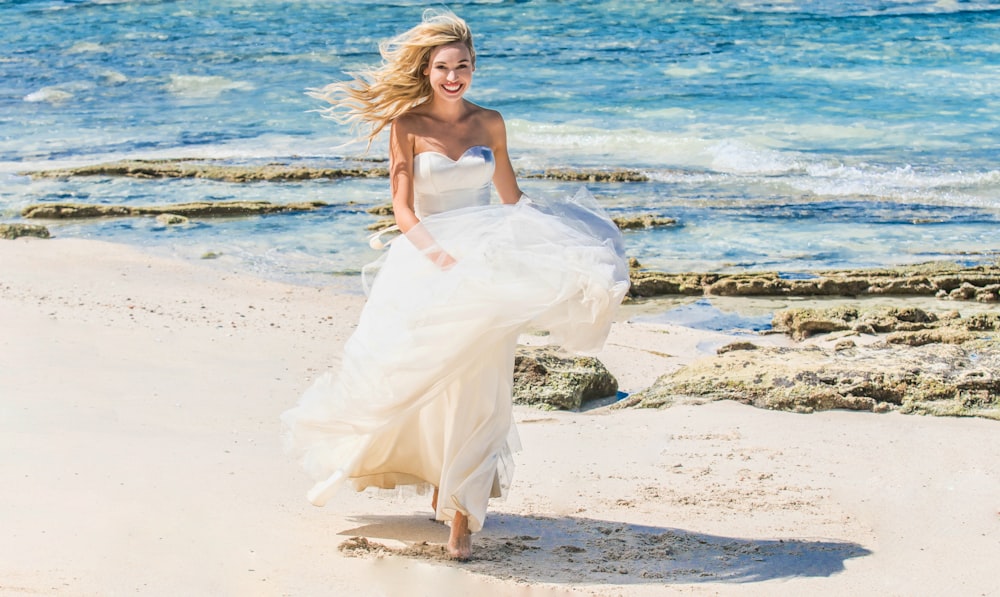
[[449, 158]]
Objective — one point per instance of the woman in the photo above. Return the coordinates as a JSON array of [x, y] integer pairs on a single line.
[[423, 394]]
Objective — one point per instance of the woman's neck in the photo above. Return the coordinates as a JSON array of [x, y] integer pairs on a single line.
[[447, 111]]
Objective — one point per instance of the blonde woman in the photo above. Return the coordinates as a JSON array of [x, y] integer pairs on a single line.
[[422, 396]]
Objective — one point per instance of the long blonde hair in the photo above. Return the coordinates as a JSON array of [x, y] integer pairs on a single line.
[[378, 96]]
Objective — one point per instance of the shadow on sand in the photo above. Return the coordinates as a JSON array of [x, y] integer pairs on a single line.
[[573, 550]]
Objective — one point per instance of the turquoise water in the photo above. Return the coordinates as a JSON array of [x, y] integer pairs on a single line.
[[785, 135]]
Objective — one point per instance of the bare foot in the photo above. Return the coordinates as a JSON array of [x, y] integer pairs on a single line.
[[460, 542], [434, 501]]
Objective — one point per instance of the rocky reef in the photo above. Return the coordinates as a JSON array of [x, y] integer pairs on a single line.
[[200, 209], [284, 171], [941, 279], [207, 169], [903, 325], [643, 222], [588, 175], [629, 222], [912, 360]]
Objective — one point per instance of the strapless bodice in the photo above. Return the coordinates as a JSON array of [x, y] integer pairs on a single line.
[[443, 184]]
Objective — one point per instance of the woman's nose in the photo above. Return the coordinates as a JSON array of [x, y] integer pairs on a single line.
[[452, 75]]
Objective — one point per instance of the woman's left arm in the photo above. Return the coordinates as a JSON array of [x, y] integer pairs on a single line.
[[503, 176]]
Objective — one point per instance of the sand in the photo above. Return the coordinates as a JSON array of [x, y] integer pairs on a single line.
[[139, 404]]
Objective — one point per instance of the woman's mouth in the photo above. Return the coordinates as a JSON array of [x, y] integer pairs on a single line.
[[452, 87]]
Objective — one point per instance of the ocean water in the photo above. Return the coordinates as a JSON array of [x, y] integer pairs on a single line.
[[786, 135]]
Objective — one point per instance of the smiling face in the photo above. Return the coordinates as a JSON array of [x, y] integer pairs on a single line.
[[450, 71]]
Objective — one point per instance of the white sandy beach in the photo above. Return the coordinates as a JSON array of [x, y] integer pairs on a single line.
[[139, 405]]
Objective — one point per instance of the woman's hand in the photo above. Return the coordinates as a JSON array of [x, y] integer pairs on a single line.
[[441, 258]]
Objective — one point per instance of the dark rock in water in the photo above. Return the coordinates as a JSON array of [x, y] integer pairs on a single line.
[[945, 280], [548, 378], [63, 211], [281, 172], [642, 222], [949, 379], [589, 175], [381, 224], [197, 209], [171, 219], [12, 231], [631, 222], [181, 168]]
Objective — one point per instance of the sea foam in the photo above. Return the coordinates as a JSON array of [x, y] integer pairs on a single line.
[[204, 87], [53, 95]]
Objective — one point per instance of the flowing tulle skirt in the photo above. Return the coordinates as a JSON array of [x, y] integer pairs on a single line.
[[423, 392]]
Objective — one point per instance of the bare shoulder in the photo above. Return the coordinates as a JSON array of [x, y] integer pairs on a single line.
[[407, 128], [483, 116], [406, 123], [401, 135], [491, 118], [492, 122]]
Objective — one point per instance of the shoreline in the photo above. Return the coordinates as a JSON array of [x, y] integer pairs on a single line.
[[285, 170], [142, 396], [675, 224], [962, 281]]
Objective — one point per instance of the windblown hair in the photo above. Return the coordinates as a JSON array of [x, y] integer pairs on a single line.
[[376, 97]]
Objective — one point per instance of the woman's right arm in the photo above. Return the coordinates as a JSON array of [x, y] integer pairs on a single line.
[[401, 175]]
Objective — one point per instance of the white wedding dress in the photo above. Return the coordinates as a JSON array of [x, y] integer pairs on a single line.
[[422, 395]]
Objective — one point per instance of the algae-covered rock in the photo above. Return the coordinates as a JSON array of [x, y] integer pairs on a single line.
[[207, 169], [171, 219], [281, 172], [739, 345], [63, 211], [802, 323], [589, 175], [652, 283], [195, 209], [381, 224], [906, 325], [946, 335], [980, 322], [628, 222], [944, 280], [988, 294], [12, 231], [545, 377], [949, 379], [643, 222]]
